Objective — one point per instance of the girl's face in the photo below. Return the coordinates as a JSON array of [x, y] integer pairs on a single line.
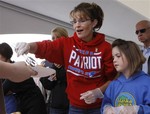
[[120, 62], [83, 26]]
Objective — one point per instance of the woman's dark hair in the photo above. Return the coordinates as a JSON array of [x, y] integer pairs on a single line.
[[92, 10], [6, 51]]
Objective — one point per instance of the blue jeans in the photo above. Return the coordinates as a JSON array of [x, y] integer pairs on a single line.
[[57, 111], [10, 103], [76, 110]]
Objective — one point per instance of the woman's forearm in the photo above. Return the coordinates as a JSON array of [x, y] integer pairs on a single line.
[[33, 47]]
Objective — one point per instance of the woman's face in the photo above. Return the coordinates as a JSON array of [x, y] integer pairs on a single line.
[[83, 26], [54, 36]]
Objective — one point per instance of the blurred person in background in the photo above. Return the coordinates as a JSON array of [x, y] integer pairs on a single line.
[[26, 95], [143, 34], [58, 102]]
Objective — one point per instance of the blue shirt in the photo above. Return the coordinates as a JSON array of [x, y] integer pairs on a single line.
[[128, 92]]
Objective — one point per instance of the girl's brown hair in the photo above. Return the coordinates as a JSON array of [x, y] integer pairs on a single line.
[[132, 53]]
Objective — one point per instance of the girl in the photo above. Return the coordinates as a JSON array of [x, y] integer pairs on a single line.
[[130, 92]]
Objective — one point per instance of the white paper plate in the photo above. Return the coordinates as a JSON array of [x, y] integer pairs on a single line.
[[43, 71]]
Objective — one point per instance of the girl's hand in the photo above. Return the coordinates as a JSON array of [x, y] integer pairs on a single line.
[[129, 110], [109, 110]]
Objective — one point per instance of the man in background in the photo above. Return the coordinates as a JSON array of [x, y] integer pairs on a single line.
[[143, 33]]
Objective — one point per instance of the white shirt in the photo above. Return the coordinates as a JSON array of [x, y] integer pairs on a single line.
[[146, 53]]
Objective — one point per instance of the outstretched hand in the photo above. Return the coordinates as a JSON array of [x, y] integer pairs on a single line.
[[22, 48]]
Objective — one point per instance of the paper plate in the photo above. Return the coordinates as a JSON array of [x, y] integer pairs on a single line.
[[43, 71]]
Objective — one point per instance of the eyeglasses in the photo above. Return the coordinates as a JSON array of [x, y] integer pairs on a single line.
[[141, 30], [79, 21]]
